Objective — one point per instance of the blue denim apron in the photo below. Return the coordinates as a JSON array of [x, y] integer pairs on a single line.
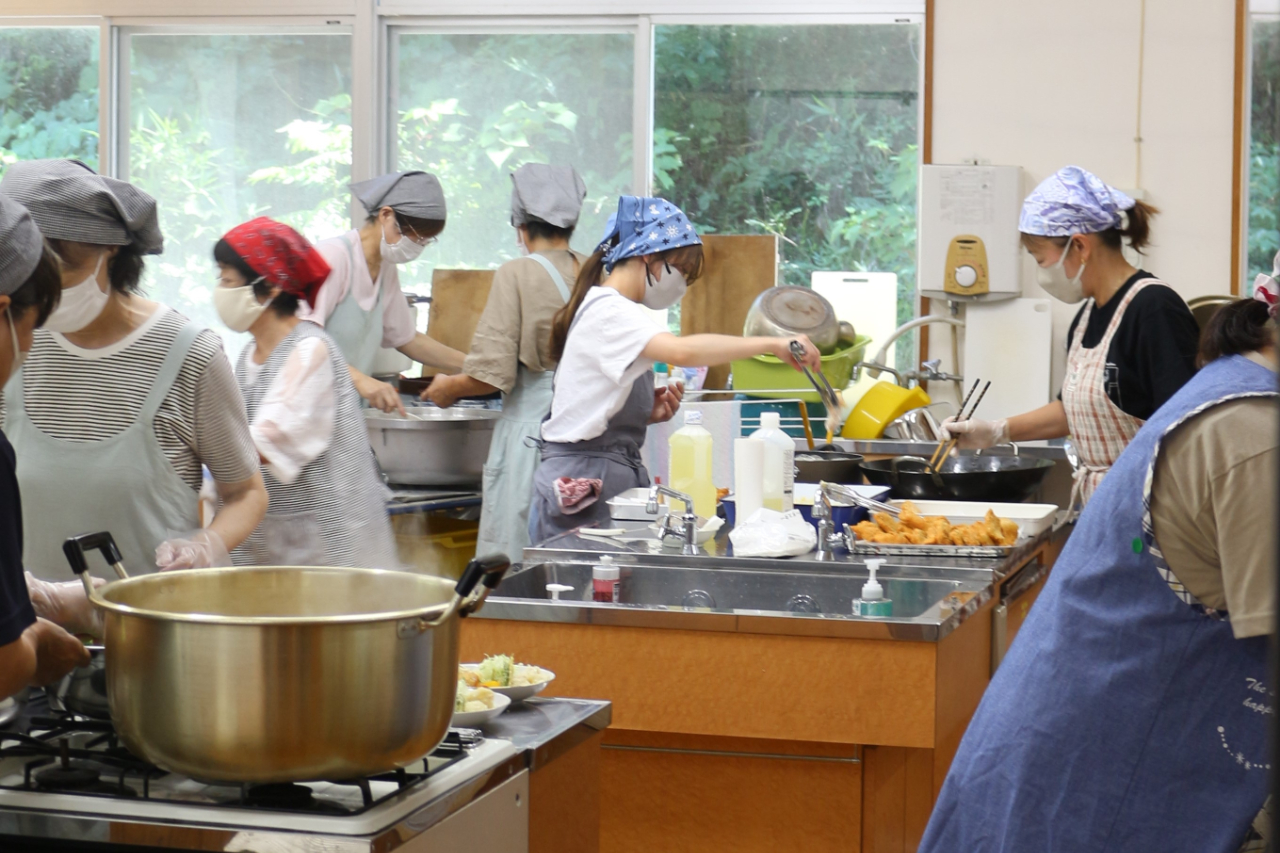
[[1126, 717]]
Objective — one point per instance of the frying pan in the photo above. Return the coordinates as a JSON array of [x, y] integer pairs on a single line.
[[1002, 479]]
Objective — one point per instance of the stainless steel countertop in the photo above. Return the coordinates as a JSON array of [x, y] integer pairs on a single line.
[[939, 593]]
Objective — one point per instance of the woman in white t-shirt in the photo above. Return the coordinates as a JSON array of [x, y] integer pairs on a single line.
[[607, 345]]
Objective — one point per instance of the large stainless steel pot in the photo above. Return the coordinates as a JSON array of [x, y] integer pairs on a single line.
[[432, 447], [784, 311], [281, 674]]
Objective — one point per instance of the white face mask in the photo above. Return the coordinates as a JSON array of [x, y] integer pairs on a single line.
[[80, 304], [1053, 279], [403, 250], [238, 307], [18, 355], [666, 290]]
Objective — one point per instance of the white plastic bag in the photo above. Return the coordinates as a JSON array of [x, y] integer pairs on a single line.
[[768, 533]]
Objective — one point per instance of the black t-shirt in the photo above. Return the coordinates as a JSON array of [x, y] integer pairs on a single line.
[[16, 613], [1153, 353]]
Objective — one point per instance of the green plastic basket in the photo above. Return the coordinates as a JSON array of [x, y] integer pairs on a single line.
[[766, 376]]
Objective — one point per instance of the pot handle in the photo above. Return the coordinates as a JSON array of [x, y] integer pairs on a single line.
[[488, 570], [76, 546]]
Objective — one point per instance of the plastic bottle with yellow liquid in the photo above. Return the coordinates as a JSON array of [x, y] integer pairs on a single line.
[[690, 464]]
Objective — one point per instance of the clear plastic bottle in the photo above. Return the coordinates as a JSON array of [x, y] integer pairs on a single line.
[[606, 581], [779, 463], [690, 462]]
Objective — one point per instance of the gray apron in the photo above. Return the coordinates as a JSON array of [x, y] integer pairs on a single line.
[[612, 457], [357, 332], [123, 484], [509, 470]]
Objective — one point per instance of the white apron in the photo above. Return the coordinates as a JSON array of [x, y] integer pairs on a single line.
[[512, 462], [123, 484], [1100, 429]]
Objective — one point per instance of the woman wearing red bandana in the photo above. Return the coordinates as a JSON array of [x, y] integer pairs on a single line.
[[327, 505]]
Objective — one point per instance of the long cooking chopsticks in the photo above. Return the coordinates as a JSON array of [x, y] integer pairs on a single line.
[[947, 445]]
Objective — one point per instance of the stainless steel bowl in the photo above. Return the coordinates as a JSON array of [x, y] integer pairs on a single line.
[[783, 311], [432, 447]]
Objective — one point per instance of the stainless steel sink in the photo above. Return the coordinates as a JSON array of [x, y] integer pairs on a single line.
[[734, 590]]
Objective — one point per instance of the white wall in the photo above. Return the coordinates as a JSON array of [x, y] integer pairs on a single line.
[[1045, 83]]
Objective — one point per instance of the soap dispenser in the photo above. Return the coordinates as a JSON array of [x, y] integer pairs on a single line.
[[873, 602]]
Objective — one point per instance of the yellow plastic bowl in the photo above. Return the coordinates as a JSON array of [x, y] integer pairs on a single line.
[[883, 403]]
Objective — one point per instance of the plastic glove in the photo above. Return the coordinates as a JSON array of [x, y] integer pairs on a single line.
[[975, 433], [65, 604], [200, 550]]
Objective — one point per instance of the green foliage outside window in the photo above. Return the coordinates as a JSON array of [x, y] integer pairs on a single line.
[[48, 93], [1264, 151]]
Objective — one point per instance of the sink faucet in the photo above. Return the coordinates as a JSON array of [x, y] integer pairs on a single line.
[[828, 538], [689, 531]]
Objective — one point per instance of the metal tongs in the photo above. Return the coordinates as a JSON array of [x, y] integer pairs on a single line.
[[850, 495], [830, 399]]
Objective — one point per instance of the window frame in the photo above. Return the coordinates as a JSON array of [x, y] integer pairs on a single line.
[[1254, 11]]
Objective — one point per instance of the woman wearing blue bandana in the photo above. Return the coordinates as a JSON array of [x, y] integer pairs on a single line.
[[1131, 346], [606, 343]]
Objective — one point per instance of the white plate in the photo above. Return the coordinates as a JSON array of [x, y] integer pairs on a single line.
[[1031, 519], [471, 719], [519, 694]]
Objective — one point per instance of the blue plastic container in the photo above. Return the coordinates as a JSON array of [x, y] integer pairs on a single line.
[[840, 515]]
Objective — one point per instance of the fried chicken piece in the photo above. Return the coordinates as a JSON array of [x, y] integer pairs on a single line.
[[910, 518], [1010, 529], [886, 522], [992, 525], [867, 530]]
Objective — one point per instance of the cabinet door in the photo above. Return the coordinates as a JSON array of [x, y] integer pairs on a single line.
[[690, 800]]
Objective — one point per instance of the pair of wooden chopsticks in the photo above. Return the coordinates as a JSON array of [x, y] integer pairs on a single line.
[[945, 446]]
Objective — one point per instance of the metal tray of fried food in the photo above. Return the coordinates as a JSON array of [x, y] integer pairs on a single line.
[[863, 547]]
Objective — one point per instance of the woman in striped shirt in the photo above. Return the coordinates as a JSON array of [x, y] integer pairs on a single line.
[[123, 399], [328, 505]]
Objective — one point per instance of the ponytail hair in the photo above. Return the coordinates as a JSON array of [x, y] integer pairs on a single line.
[[1239, 327], [1136, 230], [687, 258], [591, 274]]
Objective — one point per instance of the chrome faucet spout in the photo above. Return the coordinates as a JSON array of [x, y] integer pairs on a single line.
[[689, 519]]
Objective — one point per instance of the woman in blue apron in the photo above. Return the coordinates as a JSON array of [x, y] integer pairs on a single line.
[[34, 647], [511, 349], [361, 306], [607, 343], [328, 505], [1132, 713]]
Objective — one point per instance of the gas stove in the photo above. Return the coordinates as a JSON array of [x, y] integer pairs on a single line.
[[64, 776]]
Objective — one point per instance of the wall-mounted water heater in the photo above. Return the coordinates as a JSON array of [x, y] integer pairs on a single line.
[[968, 244]]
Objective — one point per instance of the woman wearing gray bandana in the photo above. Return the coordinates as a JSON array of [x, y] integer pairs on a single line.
[[361, 305]]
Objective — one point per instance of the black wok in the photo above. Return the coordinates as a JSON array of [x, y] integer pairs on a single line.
[[831, 466], [998, 479]]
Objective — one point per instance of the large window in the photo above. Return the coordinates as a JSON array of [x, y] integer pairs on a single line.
[[471, 108], [222, 128], [1264, 148], [807, 132], [49, 93]]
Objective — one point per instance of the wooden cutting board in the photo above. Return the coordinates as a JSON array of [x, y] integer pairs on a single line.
[[735, 270], [458, 298]]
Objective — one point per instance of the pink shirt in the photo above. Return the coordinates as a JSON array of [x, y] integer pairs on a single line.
[[350, 275]]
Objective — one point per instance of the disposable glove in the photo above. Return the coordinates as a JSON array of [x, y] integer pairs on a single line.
[[202, 549], [975, 433], [65, 604]]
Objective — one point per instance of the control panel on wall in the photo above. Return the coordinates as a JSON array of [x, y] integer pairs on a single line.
[[968, 247]]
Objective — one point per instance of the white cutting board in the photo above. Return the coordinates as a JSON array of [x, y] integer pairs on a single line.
[[1009, 343], [868, 300]]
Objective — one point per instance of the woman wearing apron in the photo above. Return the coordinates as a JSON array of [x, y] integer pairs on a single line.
[[35, 646], [1130, 348], [511, 350], [361, 305], [604, 397], [328, 506], [1133, 711], [123, 400]]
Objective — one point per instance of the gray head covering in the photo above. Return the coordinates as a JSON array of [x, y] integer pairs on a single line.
[[20, 245], [553, 194], [416, 194], [70, 201]]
